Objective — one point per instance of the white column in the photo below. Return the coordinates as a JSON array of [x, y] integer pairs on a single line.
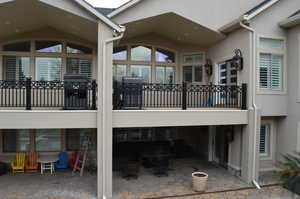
[[1, 68]]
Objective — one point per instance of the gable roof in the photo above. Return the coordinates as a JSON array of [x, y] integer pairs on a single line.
[[123, 7], [247, 16], [104, 11], [99, 15]]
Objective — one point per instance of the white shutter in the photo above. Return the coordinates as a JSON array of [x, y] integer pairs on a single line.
[[276, 72], [16, 68], [79, 66], [265, 62], [48, 69]]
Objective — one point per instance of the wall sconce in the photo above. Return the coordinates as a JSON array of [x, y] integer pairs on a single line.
[[208, 67], [237, 61]]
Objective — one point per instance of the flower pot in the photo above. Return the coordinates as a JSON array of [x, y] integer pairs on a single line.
[[199, 181]]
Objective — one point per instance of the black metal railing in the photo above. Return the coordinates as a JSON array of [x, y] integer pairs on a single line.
[[71, 95], [183, 96]]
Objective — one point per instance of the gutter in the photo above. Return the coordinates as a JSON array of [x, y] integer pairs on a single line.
[[118, 36], [254, 106]]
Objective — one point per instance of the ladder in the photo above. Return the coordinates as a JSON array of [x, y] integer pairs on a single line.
[[82, 156]]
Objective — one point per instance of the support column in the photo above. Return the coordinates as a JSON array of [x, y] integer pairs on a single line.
[[104, 115]]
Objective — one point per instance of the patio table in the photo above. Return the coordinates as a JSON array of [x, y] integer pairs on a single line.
[[47, 163]]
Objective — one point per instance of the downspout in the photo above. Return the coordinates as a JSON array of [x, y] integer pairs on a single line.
[[105, 43], [254, 106]]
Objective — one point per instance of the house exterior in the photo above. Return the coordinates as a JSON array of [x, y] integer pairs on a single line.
[[244, 114]]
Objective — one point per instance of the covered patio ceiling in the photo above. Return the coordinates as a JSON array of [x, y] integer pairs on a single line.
[[174, 27], [23, 16]]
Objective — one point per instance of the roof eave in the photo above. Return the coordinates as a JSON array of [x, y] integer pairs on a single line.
[[123, 8], [235, 24], [290, 22], [248, 17]]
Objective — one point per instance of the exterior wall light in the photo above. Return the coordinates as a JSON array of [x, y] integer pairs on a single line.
[[208, 67], [237, 61]]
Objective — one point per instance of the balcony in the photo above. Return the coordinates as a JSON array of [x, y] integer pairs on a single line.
[[183, 96], [64, 95]]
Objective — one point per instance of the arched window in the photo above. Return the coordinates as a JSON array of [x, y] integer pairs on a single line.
[[45, 60], [153, 64]]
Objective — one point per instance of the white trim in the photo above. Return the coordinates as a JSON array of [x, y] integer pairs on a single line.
[[123, 8], [271, 140], [290, 22], [260, 10], [298, 137]]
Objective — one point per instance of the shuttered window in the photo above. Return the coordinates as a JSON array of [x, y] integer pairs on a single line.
[[264, 140], [48, 68], [16, 68], [79, 66], [271, 67]]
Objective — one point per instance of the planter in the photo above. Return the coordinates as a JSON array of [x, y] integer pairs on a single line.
[[199, 181]]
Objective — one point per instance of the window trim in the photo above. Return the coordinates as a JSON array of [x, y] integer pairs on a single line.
[[64, 55], [283, 53], [272, 140], [194, 64]]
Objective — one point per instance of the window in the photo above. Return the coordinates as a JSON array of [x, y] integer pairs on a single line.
[[16, 141], [271, 71], [141, 53], [264, 147], [139, 63], [48, 140], [120, 53], [17, 47], [165, 75], [271, 61], [74, 138], [192, 74], [48, 68], [193, 58], [48, 46], [78, 49], [141, 71], [16, 68], [79, 66], [227, 74], [119, 71], [163, 55]]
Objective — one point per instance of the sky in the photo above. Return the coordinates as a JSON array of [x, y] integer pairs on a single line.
[[107, 3]]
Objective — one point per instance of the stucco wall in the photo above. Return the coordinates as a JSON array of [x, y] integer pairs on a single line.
[[212, 14]]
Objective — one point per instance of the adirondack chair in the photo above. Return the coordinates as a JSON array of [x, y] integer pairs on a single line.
[[32, 164], [19, 164], [62, 163]]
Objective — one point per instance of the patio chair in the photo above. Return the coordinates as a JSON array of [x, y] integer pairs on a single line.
[[32, 164], [62, 163], [19, 164], [73, 158]]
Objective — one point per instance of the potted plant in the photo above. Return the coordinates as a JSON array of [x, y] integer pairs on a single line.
[[199, 181], [290, 174]]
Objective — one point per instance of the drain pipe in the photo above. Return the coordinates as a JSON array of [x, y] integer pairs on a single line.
[[254, 106], [105, 43]]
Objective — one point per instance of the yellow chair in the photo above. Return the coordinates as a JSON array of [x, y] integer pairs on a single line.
[[19, 164]]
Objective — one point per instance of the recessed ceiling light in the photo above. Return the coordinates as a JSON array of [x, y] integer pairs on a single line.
[[186, 34], [17, 30], [7, 23]]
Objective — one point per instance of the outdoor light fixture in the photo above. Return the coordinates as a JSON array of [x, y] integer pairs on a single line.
[[208, 67], [237, 60]]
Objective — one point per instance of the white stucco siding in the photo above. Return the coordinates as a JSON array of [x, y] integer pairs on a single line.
[[212, 14]]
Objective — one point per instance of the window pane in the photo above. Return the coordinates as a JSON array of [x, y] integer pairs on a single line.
[[265, 63], [165, 75], [18, 47], [119, 71], [120, 53], [164, 56], [48, 68], [160, 75], [48, 140], [16, 140], [264, 140], [79, 66], [74, 138], [274, 44], [16, 68], [198, 74], [78, 49], [193, 58], [141, 53], [48, 46], [188, 74], [141, 71]]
